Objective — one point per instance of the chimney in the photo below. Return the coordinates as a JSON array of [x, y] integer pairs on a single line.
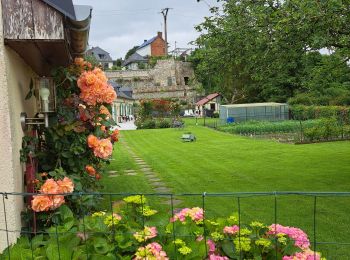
[[160, 34]]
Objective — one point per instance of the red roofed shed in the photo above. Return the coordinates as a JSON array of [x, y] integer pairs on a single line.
[[210, 103]]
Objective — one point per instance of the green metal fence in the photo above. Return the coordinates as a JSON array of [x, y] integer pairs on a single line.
[[323, 215]]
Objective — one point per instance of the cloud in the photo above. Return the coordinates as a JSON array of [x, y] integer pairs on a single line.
[[118, 25]]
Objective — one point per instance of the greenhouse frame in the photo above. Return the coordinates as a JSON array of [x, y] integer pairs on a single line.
[[254, 111]]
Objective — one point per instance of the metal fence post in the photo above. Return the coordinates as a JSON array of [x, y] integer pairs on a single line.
[[4, 196]]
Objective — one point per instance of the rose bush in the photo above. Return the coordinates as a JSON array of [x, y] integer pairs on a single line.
[[74, 149]]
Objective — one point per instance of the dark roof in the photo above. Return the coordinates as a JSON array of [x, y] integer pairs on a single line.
[[66, 7], [134, 58], [79, 18], [96, 51], [207, 99], [122, 92], [148, 42]]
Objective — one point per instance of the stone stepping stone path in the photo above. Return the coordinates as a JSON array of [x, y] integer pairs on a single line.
[[158, 185], [154, 179], [162, 190]]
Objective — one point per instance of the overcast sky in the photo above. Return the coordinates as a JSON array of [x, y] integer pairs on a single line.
[[118, 25]]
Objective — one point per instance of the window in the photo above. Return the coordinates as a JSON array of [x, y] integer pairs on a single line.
[[102, 56], [212, 106], [186, 79], [170, 81]]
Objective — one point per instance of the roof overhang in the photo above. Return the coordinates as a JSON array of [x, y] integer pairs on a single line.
[[46, 36]]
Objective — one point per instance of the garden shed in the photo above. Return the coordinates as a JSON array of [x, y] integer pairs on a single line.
[[254, 111]]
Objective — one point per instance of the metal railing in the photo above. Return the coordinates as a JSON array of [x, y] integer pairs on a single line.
[[323, 215]]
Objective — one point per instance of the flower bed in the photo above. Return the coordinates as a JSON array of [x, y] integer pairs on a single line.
[[122, 234]]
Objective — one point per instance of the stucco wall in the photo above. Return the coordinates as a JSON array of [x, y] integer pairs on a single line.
[[14, 84], [145, 51]]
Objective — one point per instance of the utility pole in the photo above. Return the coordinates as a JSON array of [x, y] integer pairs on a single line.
[[164, 12]]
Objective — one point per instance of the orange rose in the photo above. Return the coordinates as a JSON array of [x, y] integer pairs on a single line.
[[50, 187], [90, 170], [115, 135], [92, 141], [41, 203], [66, 185], [79, 61], [104, 149], [57, 201]]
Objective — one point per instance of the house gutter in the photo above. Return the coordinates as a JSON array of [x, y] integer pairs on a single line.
[[78, 30]]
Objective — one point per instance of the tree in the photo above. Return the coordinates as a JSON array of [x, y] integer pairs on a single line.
[[119, 62], [131, 52], [255, 50]]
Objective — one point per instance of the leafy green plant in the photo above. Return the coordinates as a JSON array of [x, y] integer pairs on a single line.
[[121, 234]]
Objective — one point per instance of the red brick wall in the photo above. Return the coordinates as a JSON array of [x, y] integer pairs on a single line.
[[158, 47]]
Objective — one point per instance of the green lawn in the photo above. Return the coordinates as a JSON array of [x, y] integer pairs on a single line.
[[222, 163]]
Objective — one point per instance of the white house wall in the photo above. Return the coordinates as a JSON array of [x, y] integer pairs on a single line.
[[145, 51], [14, 84]]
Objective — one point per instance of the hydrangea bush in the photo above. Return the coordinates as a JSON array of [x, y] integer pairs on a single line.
[[188, 235]]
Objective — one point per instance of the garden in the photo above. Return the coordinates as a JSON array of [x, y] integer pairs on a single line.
[[309, 124], [79, 208]]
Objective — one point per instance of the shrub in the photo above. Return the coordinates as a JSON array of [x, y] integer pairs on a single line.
[[164, 124], [216, 115], [123, 235], [300, 112], [146, 124]]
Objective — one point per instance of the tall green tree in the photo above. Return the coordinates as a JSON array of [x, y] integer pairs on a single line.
[[254, 50]]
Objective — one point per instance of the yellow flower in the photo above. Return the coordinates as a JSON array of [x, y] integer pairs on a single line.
[[232, 220], [245, 232], [112, 220], [242, 244], [179, 242], [216, 236], [147, 211], [99, 214], [185, 250], [263, 242], [136, 199], [256, 224]]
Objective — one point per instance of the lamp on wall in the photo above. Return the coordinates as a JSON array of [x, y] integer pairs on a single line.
[[46, 103]]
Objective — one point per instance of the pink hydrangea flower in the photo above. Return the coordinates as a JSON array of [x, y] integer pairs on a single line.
[[231, 230], [218, 257], [299, 236], [211, 245], [196, 214], [306, 255], [151, 251]]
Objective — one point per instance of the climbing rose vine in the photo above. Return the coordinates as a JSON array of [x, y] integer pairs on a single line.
[[79, 141]]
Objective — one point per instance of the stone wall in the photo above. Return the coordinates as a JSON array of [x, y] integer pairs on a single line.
[[165, 80]]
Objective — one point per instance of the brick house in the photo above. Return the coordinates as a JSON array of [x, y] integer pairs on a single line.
[[152, 47]]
